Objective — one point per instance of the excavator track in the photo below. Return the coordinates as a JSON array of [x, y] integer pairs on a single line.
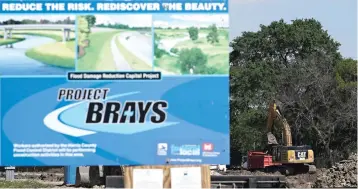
[[294, 169], [291, 169]]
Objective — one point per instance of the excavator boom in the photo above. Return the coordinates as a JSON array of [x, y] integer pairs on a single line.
[[273, 114]]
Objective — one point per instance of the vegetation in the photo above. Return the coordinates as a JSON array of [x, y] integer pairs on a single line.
[[54, 34], [123, 27], [193, 33], [298, 64], [91, 20], [42, 21], [174, 50], [55, 54], [13, 40], [217, 54], [158, 53], [192, 61], [84, 30], [213, 36], [24, 184], [98, 55]]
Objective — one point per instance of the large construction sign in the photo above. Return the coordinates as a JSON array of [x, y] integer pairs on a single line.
[[114, 82]]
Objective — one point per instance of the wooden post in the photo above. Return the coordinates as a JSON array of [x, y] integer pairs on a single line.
[[205, 174]]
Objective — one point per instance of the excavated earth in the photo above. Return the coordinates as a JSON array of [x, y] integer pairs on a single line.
[[342, 175]]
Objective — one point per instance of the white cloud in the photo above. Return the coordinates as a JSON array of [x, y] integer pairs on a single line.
[[130, 20], [162, 24], [37, 17], [204, 20]]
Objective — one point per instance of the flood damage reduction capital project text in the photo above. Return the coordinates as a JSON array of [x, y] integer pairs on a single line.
[[123, 6]]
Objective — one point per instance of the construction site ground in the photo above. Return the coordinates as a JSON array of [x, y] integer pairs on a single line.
[[342, 174], [53, 178]]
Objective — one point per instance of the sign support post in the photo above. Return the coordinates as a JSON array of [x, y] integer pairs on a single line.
[[70, 175], [10, 173]]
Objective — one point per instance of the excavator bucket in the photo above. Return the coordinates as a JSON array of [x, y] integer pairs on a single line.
[[271, 139]]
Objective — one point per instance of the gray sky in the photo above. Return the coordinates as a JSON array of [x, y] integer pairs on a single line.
[[339, 17]]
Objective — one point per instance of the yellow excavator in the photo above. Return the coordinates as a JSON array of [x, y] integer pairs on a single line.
[[285, 157], [295, 159]]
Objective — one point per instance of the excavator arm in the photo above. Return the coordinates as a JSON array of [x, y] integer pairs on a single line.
[[275, 114]]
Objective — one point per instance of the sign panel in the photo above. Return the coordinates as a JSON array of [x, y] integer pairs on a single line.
[[147, 178], [186, 177], [114, 82]]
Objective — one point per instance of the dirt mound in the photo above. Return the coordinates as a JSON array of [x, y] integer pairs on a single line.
[[301, 180], [342, 174]]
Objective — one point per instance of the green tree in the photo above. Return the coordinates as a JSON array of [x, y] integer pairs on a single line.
[[210, 70], [84, 30], [296, 63], [28, 21], [91, 20], [346, 73], [174, 50], [193, 33], [213, 36], [192, 60], [158, 53]]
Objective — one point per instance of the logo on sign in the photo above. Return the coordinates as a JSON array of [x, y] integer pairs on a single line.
[[208, 147], [301, 155], [208, 150], [130, 116], [162, 149], [185, 173], [185, 150]]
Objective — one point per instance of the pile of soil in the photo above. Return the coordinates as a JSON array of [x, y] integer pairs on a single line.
[[342, 175]]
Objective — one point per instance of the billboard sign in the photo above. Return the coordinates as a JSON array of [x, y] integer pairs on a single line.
[[114, 82]]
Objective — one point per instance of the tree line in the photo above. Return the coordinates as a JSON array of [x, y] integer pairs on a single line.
[[177, 28], [42, 21], [298, 64], [122, 26]]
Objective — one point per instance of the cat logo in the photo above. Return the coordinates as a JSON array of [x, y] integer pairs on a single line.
[[301, 155]]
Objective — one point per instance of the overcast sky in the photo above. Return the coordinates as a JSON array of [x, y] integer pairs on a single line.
[[339, 17]]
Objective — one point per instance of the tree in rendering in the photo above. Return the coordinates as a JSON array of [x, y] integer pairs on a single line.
[[192, 61], [83, 35], [298, 64], [91, 20], [158, 53], [213, 36], [193, 33]]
